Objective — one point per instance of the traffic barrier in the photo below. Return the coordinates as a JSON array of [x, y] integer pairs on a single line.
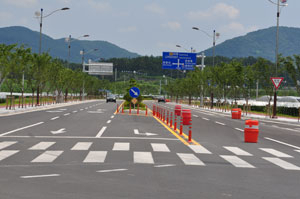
[[178, 110], [171, 119], [175, 122], [164, 115], [181, 126], [236, 113], [167, 117], [251, 131], [186, 116]]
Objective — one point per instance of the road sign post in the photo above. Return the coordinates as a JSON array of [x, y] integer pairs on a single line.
[[276, 82], [134, 92], [179, 61]]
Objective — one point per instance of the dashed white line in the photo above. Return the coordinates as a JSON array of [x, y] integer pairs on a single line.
[[101, 132], [54, 118], [41, 176], [296, 147], [165, 165], [109, 121], [195, 115], [74, 111], [220, 123], [19, 129], [239, 129], [66, 114], [112, 117], [205, 118], [112, 170]]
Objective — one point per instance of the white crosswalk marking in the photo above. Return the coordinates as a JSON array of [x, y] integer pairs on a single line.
[[143, 158], [6, 153], [199, 149], [276, 153], [121, 146], [41, 146], [160, 147], [236, 161], [81, 146], [190, 159], [47, 156], [6, 144], [95, 157], [281, 163], [237, 151]]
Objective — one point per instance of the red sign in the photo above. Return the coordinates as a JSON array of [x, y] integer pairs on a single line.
[[277, 81]]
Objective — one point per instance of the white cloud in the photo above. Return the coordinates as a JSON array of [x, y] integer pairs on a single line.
[[128, 29], [154, 8], [100, 6], [173, 25], [237, 28], [219, 10], [21, 3], [5, 17]]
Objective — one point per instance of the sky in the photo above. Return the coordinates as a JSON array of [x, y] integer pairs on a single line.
[[149, 27]]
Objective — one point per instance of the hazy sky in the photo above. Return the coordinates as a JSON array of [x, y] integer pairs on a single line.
[[149, 27]]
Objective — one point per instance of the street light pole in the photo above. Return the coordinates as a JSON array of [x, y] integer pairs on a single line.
[[41, 24], [69, 49], [214, 45]]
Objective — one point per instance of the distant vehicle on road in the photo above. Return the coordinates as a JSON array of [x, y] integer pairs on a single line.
[[111, 98], [161, 99]]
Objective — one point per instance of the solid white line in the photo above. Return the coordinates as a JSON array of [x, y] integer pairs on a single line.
[[54, 118], [41, 176], [237, 151], [109, 121], [236, 161], [165, 165], [121, 146], [281, 163], [6, 153], [220, 123], [205, 118], [199, 149], [112, 117], [297, 151], [112, 170], [42, 146], [190, 159], [75, 111], [101, 132], [81, 146], [143, 158], [19, 129], [6, 144], [160, 147], [66, 114], [239, 129], [276, 153], [296, 147], [47, 156], [95, 157]]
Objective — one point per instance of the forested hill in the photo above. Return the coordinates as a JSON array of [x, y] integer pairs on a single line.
[[261, 43], [58, 48]]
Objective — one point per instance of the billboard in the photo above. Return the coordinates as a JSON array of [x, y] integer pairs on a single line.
[[98, 68]]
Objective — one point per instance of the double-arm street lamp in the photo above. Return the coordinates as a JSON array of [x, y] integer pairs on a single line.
[[69, 40]]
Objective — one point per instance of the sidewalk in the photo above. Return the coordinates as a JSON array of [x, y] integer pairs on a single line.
[[5, 112]]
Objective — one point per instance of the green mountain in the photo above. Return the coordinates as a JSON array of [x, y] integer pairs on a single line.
[[260, 43], [58, 48]]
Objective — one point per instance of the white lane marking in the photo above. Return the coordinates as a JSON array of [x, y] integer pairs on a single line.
[[81, 109], [47, 156], [19, 129], [239, 129], [199, 149], [195, 115], [109, 121], [66, 114], [276, 153], [112, 170], [53, 111], [59, 131], [143, 158], [158, 147], [101, 132], [205, 118], [6, 144], [220, 123], [6, 153], [86, 108], [95, 157], [75, 111], [81, 146], [42, 146], [297, 151], [296, 147], [63, 109], [112, 117], [281, 163], [41, 176], [54, 118], [190, 159], [237, 151], [236, 161], [136, 131], [164, 165], [121, 146]]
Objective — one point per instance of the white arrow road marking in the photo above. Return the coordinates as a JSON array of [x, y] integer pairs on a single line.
[[60, 131], [136, 132]]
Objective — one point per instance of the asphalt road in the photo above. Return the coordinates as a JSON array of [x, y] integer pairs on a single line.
[[88, 151]]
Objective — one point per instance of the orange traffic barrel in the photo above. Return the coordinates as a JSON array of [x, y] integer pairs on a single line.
[[186, 116], [251, 131], [236, 113], [178, 110]]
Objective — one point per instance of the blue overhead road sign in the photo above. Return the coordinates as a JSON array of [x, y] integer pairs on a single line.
[[180, 61], [134, 92]]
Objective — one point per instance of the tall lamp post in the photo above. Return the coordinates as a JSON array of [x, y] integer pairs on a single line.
[[279, 3], [40, 16], [214, 37], [69, 40]]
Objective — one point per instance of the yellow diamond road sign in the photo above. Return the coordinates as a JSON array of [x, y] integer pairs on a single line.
[[134, 100]]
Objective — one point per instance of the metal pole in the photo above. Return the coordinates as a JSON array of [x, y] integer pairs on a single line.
[[159, 87], [214, 44], [41, 24], [23, 89], [69, 47], [276, 58], [257, 82]]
